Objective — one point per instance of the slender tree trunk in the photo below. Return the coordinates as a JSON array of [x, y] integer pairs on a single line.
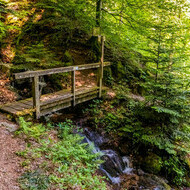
[[158, 58], [157, 63], [98, 12]]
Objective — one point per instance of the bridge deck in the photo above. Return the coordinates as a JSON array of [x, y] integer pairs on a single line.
[[51, 102]]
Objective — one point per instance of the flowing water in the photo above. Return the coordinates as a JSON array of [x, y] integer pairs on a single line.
[[114, 165]]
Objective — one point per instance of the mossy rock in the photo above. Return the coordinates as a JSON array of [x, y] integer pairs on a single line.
[[95, 48], [153, 163], [67, 58]]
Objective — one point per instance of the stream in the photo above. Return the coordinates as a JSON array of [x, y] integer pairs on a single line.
[[116, 166]]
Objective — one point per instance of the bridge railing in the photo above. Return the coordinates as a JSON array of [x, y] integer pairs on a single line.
[[35, 75]]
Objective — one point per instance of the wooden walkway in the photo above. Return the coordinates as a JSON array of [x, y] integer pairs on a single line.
[[46, 104], [51, 102]]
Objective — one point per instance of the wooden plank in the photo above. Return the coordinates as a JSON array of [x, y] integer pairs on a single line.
[[80, 97], [36, 96], [28, 102], [57, 99], [8, 109], [85, 99], [31, 74], [67, 94], [73, 86], [65, 98], [57, 108], [86, 90], [54, 104], [20, 105], [16, 106], [66, 105]]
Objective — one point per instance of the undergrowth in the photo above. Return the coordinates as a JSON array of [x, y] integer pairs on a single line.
[[148, 127], [56, 158]]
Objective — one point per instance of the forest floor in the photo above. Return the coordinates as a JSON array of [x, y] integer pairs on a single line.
[[6, 95], [10, 163]]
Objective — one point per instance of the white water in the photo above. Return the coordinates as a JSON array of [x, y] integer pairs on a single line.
[[114, 165]]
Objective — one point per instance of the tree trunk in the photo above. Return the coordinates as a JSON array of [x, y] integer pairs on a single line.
[[98, 12]]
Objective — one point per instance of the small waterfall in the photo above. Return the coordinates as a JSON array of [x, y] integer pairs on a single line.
[[114, 165]]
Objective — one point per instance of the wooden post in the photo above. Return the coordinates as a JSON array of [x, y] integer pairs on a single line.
[[101, 70], [36, 96], [73, 85]]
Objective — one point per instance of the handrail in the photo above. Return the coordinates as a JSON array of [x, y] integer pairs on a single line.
[[35, 75], [31, 74]]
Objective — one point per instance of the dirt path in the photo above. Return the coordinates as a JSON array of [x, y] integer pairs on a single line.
[[10, 168]]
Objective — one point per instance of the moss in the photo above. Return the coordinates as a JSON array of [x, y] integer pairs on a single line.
[[56, 81], [95, 48], [5, 68], [187, 159], [67, 58], [22, 68], [26, 112], [19, 59], [120, 70], [153, 163], [108, 79]]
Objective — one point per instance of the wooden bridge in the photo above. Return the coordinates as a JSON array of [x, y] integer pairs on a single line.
[[48, 103]]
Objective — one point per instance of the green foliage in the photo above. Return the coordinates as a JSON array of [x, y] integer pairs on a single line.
[[36, 57], [153, 163], [34, 181], [68, 58], [176, 169], [72, 163], [154, 125], [3, 27], [31, 130]]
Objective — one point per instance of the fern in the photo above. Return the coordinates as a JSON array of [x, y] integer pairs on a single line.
[[166, 110]]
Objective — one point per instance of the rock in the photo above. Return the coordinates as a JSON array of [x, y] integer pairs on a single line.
[[153, 182], [140, 172], [11, 127], [152, 163], [67, 57], [113, 163], [129, 182], [98, 140]]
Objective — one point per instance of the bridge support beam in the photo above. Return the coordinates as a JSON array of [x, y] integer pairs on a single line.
[[101, 69], [36, 95], [73, 86]]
